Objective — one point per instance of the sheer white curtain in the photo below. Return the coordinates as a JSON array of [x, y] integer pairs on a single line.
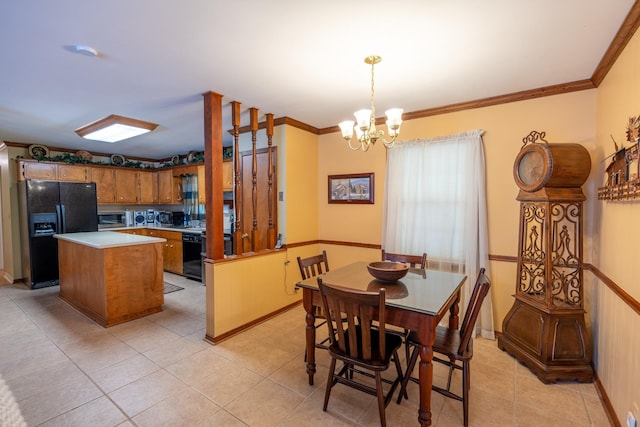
[[435, 202]]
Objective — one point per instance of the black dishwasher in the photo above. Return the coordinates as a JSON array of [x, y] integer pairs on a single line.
[[191, 258]]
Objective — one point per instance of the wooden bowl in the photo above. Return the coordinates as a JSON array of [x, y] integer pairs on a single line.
[[387, 271]]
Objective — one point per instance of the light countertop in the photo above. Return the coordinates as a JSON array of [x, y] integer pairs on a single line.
[[197, 230], [107, 239]]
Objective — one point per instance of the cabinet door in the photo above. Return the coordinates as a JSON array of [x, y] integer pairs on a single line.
[[202, 195], [165, 186], [126, 186], [227, 176], [105, 184], [172, 256], [148, 182], [74, 173], [37, 170], [176, 193]]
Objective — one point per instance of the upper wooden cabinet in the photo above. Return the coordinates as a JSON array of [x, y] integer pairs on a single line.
[[165, 186], [31, 169], [75, 173], [37, 170], [148, 188], [105, 179], [227, 176], [202, 195], [126, 186]]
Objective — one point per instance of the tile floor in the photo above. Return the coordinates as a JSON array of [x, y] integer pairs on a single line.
[[65, 370]]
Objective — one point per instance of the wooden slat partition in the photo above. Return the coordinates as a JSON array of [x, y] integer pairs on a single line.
[[255, 234], [271, 242], [237, 207]]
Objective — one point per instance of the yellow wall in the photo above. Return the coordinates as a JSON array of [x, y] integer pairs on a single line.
[[564, 118], [246, 289], [617, 328]]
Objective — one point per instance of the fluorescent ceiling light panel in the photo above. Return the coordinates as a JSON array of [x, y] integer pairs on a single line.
[[115, 128]]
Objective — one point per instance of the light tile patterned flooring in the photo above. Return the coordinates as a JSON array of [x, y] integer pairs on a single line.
[[65, 370]]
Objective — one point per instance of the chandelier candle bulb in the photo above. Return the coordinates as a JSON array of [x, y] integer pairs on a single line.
[[346, 128]]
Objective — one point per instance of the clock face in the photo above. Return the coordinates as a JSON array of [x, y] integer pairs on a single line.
[[531, 168]]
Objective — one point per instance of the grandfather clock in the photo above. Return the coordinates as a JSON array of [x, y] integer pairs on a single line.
[[545, 328]]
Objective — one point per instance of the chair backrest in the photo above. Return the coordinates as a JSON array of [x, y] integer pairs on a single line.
[[313, 265], [414, 261], [480, 290], [354, 311]]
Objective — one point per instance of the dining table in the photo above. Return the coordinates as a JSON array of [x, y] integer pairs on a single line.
[[418, 302]]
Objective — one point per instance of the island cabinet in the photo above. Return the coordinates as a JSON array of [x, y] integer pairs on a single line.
[[119, 277]]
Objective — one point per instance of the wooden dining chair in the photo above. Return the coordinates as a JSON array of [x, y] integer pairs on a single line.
[[414, 261], [456, 345], [365, 351], [311, 267]]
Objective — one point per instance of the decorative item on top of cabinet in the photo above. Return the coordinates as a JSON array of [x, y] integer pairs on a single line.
[[623, 173]]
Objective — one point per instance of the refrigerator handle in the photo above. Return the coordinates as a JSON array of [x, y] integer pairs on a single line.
[[61, 226]]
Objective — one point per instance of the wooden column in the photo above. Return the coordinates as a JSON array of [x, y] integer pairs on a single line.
[[237, 196], [271, 235], [213, 174], [255, 234]]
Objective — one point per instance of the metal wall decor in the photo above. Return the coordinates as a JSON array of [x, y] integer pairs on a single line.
[[623, 172]]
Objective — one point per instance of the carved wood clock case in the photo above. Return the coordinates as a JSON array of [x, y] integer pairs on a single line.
[[545, 328]]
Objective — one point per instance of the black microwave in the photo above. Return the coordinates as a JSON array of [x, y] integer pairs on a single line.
[[178, 218]]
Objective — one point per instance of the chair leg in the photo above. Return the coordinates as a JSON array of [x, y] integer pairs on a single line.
[[410, 365], [380, 393], [330, 383], [466, 379]]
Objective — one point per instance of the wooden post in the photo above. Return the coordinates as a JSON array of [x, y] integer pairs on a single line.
[[253, 113], [237, 196], [213, 174], [271, 238]]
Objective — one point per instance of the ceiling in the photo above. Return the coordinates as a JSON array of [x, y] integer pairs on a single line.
[[291, 58]]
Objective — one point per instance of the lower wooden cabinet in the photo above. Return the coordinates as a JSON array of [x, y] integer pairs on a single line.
[[172, 249]]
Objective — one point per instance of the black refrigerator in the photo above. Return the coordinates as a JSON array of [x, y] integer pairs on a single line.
[[47, 208]]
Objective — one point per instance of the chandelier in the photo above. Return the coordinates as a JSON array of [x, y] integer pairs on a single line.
[[365, 124]]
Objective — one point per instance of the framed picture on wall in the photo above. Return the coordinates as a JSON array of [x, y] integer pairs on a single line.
[[352, 188]]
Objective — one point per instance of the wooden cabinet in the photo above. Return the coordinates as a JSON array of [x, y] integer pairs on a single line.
[[202, 194], [105, 184], [227, 176], [169, 187], [126, 186], [37, 170], [49, 171], [165, 186], [172, 249], [148, 188], [74, 173]]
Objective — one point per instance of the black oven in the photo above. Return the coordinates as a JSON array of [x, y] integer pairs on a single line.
[[191, 258]]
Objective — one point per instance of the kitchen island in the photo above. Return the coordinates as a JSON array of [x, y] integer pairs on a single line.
[[111, 277]]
